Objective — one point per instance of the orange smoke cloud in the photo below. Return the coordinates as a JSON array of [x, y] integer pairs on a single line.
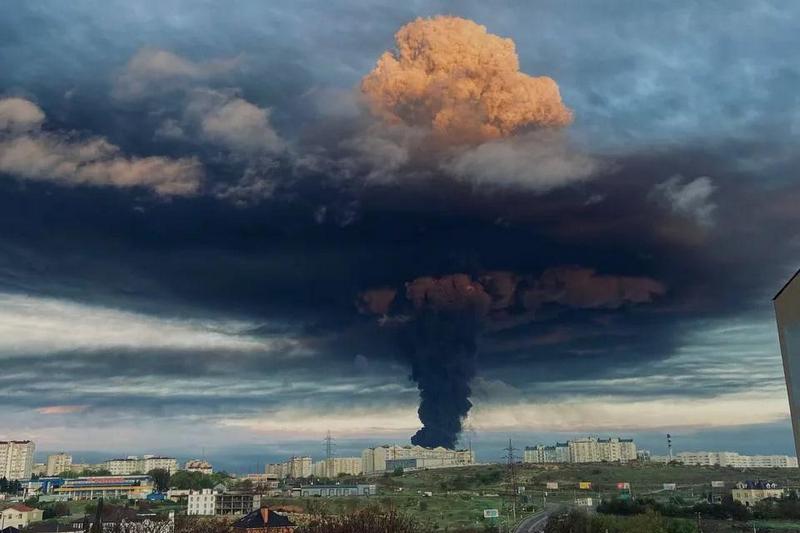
[[451, 75], [451, 293], [583, 288], [375, 301]]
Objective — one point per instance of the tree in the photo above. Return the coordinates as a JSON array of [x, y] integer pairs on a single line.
[[160, 478], [97, 527]]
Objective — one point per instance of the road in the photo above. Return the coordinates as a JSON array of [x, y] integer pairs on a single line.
[[533, 524]]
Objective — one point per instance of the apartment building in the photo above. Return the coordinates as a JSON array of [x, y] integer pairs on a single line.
[[547, 454], [16, 459], [57, 463], [336, 466], [583, 450], [735, 460], [296, 467], [376, 459], [212, 502], [140, 465]]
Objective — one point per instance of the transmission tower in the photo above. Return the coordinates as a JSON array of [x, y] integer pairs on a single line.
[[669, 446], [512, 475], [329, 446]]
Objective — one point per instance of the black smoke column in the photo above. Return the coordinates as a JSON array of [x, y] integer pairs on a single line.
[[440, 345], [441, 349]]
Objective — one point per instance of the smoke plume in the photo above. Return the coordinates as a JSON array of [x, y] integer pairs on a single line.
[[443, 317], [452, 76]]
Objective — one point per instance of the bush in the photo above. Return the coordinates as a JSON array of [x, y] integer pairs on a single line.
[[371, 520]]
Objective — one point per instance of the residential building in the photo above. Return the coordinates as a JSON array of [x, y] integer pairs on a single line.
[[328, 491], [263, 481], [787, 314], [217, 502], [199, 465], [16, 459], [90, 488], [39, 469], [202, 502], [336, 466], [296, 467], [19, 516], [57, 463], [751, 492], [375, 459], [264, 520], [735, 460], [140, 465], [583, 450]]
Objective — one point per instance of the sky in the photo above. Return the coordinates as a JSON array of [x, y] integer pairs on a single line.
[[226, 231]]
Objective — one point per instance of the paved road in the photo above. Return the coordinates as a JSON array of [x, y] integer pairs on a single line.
[[533, 524]]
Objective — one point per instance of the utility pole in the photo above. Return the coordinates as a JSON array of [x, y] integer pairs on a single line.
[[329, 455], [512, 478]]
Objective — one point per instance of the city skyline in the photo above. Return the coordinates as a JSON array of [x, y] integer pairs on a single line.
[[238, 229]]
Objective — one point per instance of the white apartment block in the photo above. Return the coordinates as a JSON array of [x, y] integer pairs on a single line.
[[296, 467], [374, 459], [735, 460], [57, 463], [337, 465], [584, 450], [16, 459], [547, 454], [202, 502], [133, 464]]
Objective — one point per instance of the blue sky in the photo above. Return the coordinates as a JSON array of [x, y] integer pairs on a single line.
[[195, 199]]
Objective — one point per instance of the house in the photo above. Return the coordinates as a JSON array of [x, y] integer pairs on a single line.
[[751, 492], [19, 516], [264, 520]]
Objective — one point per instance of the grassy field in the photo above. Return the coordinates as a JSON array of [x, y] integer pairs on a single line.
[[460, 495]]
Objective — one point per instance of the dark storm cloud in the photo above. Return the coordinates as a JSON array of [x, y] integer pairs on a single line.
[[678, 170]]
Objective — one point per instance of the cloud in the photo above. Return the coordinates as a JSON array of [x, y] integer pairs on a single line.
[[233, 122], [32, 325], [61, 409], [156, 71], [60, 157], [18, 114], [538, 161], [449, 74], [691, 199]]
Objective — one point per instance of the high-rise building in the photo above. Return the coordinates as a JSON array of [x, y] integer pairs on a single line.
[[296, 467], [16, 459], [583, 450], [338, 465], [57, 463], [787, 313]]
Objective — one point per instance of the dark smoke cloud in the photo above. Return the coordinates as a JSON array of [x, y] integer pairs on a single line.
[[440, 340]]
